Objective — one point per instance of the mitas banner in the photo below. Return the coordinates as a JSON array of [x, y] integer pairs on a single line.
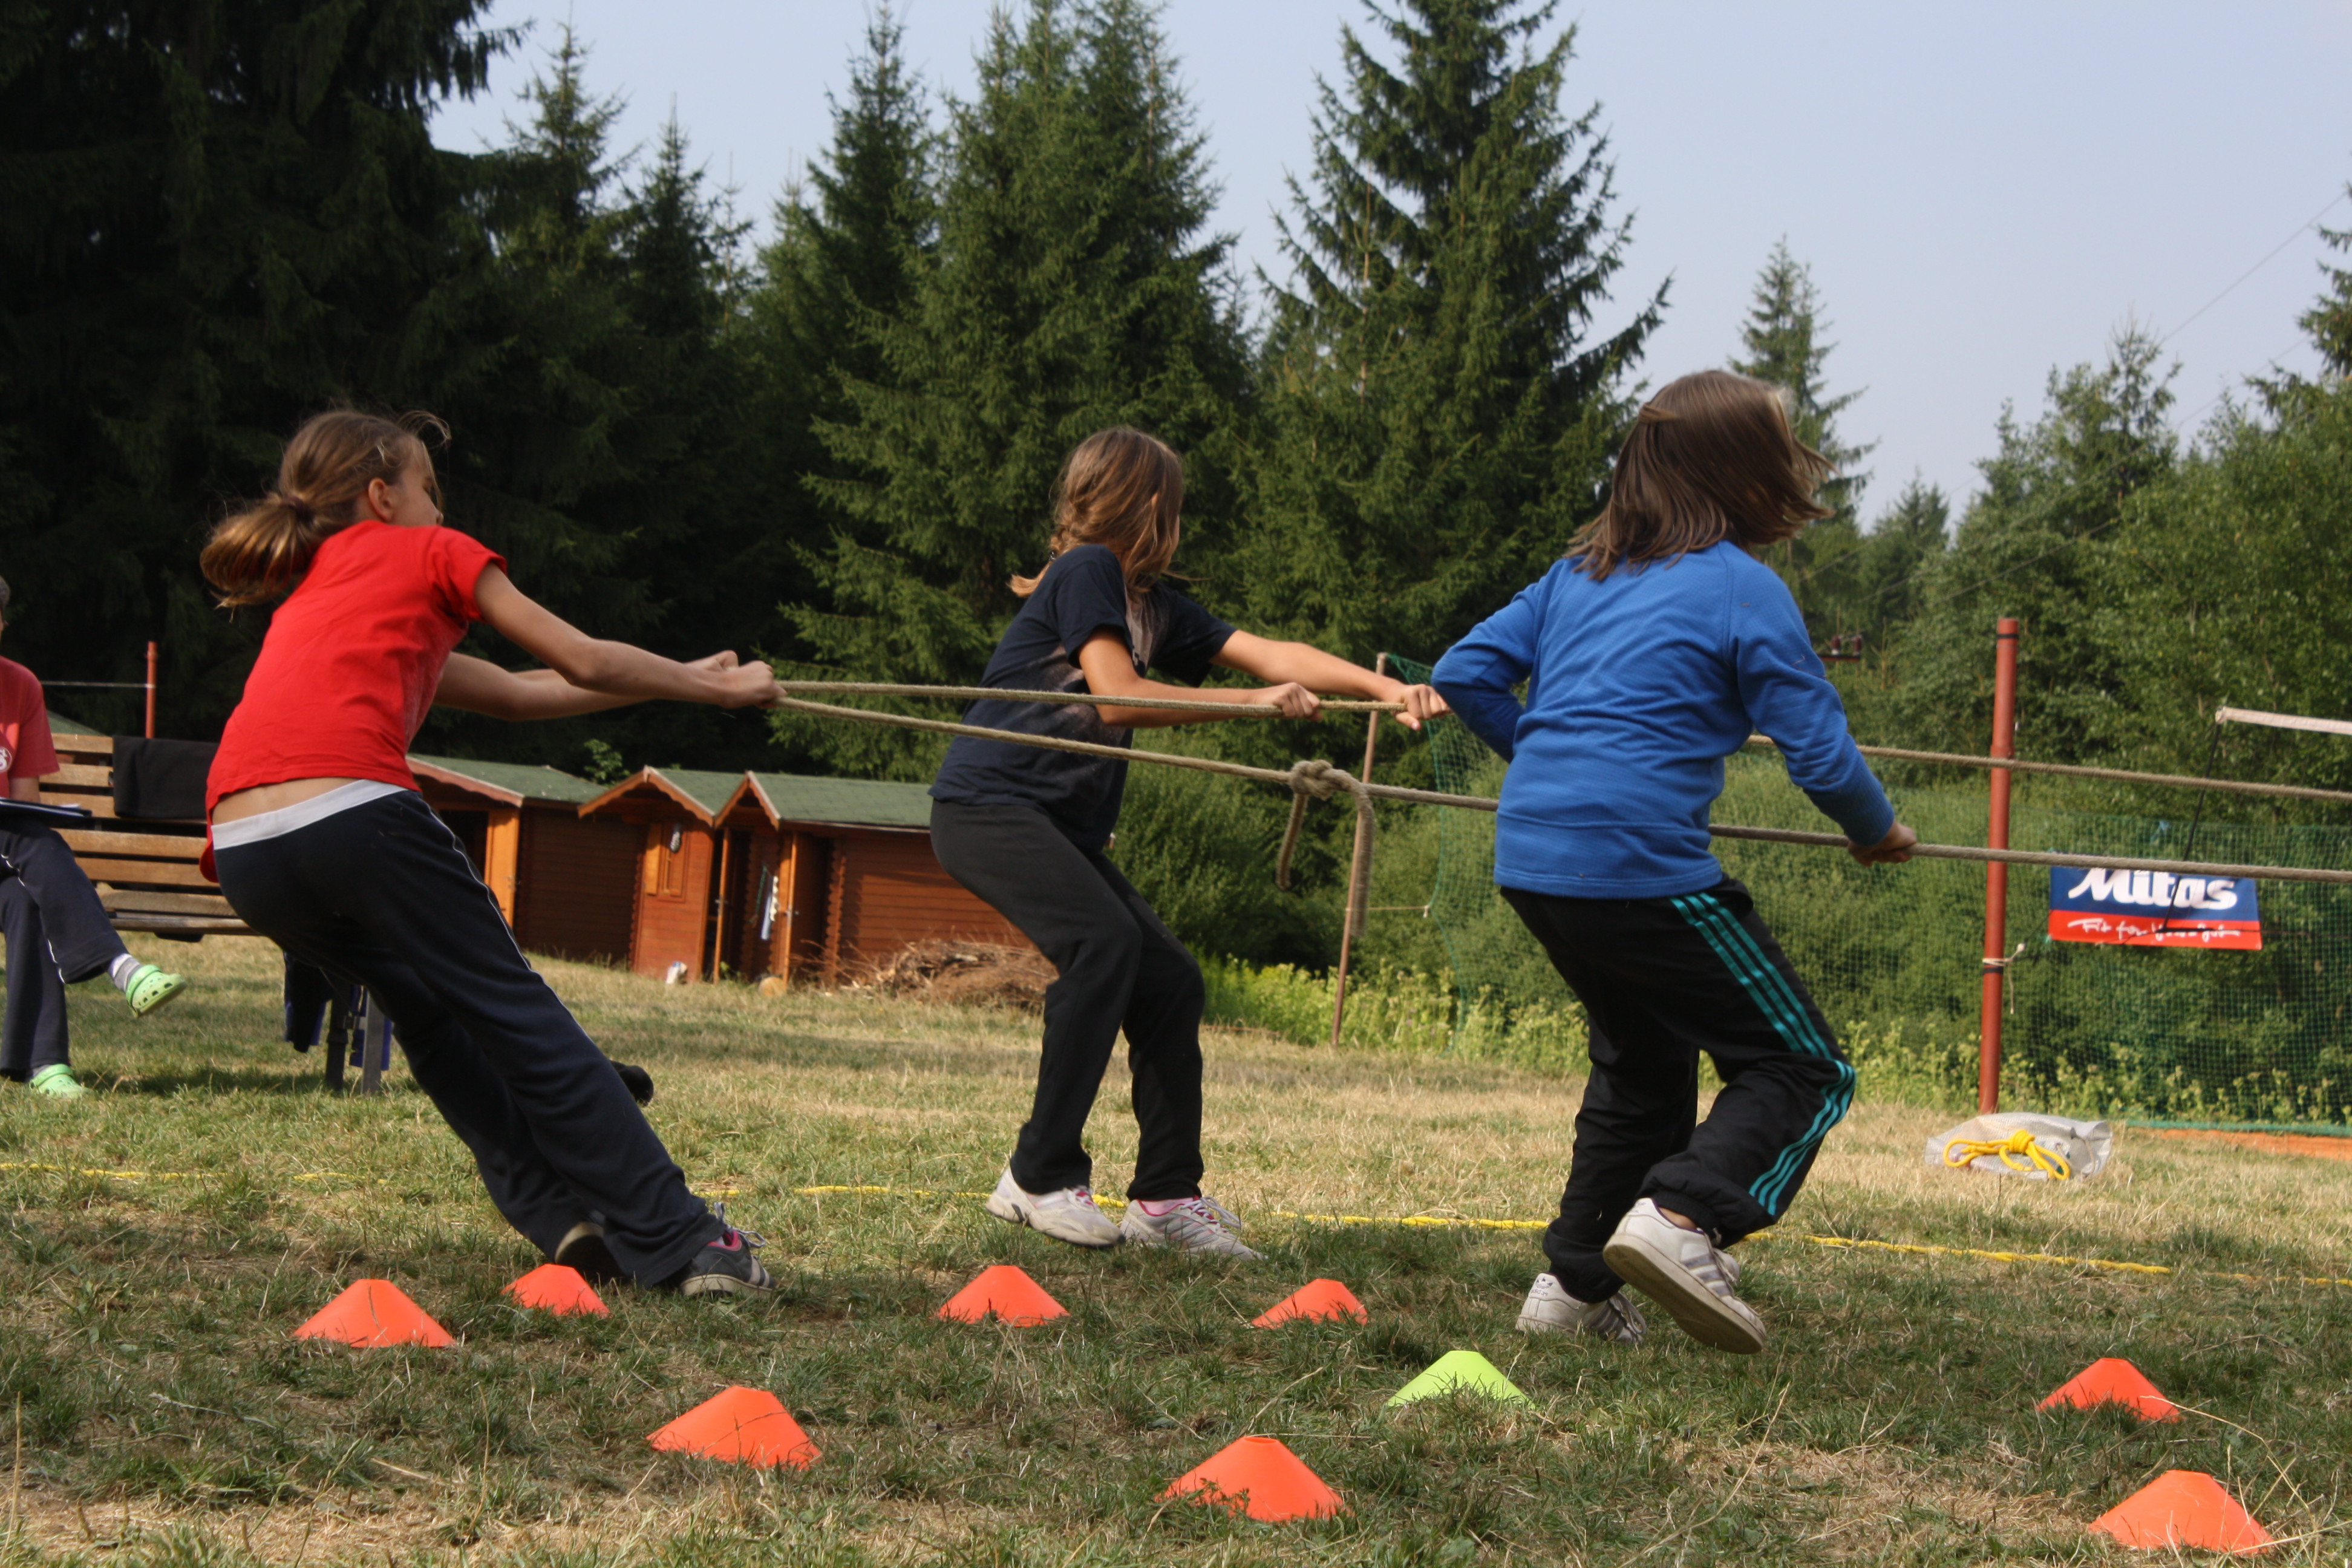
[[2153, 909]]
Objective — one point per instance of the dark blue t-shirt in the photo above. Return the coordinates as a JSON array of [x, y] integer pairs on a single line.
[[1084, 591]]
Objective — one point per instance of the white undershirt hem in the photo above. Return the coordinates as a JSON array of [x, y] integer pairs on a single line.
[[287, 819]]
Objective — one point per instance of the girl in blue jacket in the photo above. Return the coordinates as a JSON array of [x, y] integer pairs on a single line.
[[1650, 654]]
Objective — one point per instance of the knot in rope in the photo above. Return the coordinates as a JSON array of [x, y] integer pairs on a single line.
[[2019, 1151], [1318, 777]]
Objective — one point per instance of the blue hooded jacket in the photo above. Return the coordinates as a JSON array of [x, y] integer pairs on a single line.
[[1638, 687]]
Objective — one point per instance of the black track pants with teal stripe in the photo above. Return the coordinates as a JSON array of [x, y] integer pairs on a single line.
[[1661, 980]]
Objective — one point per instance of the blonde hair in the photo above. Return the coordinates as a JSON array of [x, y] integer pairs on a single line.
[[1122, 489], [1710, 457], [262, 551]]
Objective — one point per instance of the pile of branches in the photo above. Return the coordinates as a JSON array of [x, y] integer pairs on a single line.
[[966, 974]]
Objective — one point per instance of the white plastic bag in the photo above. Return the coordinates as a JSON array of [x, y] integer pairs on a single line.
[[1991, 1146]]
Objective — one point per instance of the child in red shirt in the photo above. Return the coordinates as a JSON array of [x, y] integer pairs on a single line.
[[323, 844], [57, 930]]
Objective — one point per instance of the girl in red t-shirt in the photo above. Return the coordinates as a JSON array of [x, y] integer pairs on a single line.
[[324, 845]]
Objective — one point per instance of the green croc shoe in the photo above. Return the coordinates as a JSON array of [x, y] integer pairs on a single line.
[[150, 987], [56, 1080]]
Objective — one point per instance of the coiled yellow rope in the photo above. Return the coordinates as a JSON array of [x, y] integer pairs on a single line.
[[2019, 1151]]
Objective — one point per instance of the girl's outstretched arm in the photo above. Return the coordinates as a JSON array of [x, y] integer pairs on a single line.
[[1294, 670], [616, 668], [478, 686], [1313, 669]]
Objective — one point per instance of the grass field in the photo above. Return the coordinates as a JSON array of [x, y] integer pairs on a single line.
[[158, 1411]]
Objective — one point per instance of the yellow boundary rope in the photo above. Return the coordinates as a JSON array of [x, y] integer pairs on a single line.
[[1447, 1222]]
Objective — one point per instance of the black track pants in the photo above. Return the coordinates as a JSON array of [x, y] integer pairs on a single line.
[[1661, 980], [381, 896], [59, 935], [33, 1033], [1120, 967]]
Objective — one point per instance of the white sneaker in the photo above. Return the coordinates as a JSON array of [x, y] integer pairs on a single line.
[[1688, 1274], [1067, 1215], [1196, 1224], [1550, 1310]]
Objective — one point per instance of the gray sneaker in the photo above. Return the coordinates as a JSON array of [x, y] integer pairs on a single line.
[[1067, 1214], [1550, 1310], [1196, 1224], [1686, 1274]]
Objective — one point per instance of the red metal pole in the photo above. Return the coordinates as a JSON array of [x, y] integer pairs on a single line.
[[150, 690], [1996, 948]]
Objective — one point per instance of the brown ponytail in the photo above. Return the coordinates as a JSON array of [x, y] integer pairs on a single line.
[[1125, 489], [262, 551]]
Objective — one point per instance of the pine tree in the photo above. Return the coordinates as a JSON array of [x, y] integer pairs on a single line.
[[1902, 546], [2330, 321], [601, 434], [534, 378], [218, 218], [1072, 288], [1782, 340], [1439, 413], [851, 244], [2030, 545]]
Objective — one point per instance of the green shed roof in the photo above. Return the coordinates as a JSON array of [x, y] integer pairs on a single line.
[[710, 790], [858, 803], [61, 725], [525, 779]]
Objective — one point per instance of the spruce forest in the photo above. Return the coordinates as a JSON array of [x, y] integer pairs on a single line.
[[832, 449]]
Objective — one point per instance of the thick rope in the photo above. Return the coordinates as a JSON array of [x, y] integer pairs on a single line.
[[1481, 803], [1336, 705], [1015, 694]]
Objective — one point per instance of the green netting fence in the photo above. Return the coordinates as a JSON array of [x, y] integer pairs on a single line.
[[1894, 954]]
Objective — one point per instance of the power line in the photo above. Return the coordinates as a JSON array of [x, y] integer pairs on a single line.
[[2310, 222], [2179, 427]]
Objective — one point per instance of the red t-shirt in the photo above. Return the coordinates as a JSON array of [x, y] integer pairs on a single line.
[[352, 658], [25, 749]]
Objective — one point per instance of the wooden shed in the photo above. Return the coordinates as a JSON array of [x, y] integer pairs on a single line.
[[566, 883], [670, 816], [832, 875]]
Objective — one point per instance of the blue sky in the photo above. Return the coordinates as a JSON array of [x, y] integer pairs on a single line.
[[1983, 191]]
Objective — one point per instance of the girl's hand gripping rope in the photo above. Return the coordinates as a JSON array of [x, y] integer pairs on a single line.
[[1891, 850], [1422, 703]]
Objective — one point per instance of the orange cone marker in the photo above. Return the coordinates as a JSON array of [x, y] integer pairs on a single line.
[[1008, 1292], [1317, 1302], [2183, 1508], [2111, 1380], [374, 1312], [552, 1288], [1260, 1477], [743, 1426]]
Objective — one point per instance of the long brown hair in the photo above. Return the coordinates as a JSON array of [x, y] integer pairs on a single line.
[[1710, 457], [262, 551], [1123, 489]]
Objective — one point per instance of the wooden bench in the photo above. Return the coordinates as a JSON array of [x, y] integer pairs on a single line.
[[145, 871]]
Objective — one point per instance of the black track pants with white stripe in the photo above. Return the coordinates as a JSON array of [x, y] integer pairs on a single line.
[[1661, 980], [382, 896]]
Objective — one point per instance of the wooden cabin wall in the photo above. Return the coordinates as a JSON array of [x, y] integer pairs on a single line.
[[888, 892], [578, 894]]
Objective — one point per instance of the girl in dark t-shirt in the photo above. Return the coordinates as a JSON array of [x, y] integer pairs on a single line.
[[1025, 829]]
